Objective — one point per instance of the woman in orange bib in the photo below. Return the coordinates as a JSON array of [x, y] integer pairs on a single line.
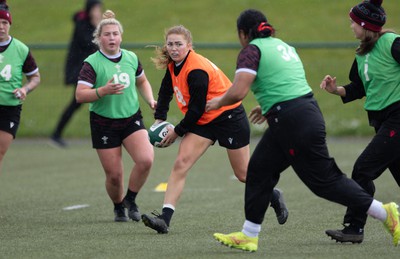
[[194, 80]]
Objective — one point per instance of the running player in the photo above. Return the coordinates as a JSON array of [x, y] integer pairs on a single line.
[[377, 57], [194, 80], [296, 135]]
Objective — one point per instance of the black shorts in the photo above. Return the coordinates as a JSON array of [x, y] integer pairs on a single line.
[[231, 129], [109, 133], [9, 118]]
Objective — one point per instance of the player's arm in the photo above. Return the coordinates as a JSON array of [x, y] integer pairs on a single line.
[[84, 89], [350, 92], [246, 72], [32, 75], [33, 81], [198, 89], [144, 87], [86, 93], [240, 87], [165, 95], [355, 90], [395, 50]]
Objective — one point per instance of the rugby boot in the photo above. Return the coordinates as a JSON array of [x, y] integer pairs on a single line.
[[349, 233], [157, 222], [238, 240], [279, 207]]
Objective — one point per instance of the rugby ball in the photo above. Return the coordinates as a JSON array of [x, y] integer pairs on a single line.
[[157, 132]]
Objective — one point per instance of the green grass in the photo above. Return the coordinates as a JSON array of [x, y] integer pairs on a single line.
[[38, 181], [211, 21]]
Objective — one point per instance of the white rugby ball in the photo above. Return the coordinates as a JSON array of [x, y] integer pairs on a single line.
[[157, 132]]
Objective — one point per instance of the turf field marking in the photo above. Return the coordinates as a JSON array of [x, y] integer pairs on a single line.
[[76, 207]]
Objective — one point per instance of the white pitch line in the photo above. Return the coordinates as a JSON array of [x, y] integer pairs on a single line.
[[76, 207]]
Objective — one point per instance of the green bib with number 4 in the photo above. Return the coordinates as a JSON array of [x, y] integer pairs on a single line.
[[11, 62]]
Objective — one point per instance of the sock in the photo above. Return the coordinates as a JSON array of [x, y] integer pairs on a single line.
[[130, 196], [251, 229], [118, 206], [167, 212], [377, 211]]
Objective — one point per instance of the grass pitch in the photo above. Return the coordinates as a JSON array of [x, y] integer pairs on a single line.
[[38, 182]]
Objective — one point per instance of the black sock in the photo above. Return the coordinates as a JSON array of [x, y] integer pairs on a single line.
[[130, 196], [118, 206], [357, 228], [167, 215]]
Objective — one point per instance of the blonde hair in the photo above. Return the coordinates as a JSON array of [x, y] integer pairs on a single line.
[[108, 19], [162, 58]]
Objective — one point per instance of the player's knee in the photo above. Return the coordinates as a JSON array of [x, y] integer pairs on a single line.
[[145, 164], [114, 179], [182, 162]]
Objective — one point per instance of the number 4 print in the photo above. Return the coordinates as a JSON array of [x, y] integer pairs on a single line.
[[6, 72]]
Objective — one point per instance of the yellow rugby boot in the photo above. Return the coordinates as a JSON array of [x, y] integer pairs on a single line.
[[238, 240], [392, 221]]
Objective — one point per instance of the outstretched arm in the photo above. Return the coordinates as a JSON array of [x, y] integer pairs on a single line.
[[329, 84], [237, 92], [144, 87]]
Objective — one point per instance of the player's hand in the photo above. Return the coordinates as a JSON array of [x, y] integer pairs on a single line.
[[256, 116], [169, 138], [112, 88], [213, 104], [153, 105], [20, 93], [329, 84]]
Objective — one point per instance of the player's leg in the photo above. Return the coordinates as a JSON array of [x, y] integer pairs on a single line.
[[5, 142], [395, 171], [265, 166], [9, 124], [382, 152], [107, 139], [239, 159], [311, 162], [63, 121], [142, 154], [191, 148], [111, 160]]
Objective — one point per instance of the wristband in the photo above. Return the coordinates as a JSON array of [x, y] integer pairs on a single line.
[[27, 89], [97, 93]]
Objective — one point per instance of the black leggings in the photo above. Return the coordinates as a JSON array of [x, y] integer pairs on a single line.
[[382, 152], [296, 137]]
